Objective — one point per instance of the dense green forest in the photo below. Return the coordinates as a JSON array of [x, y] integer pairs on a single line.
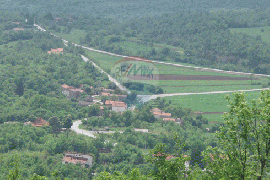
[[126, 8]]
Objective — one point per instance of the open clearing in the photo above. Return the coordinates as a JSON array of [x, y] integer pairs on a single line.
[[256, 31]]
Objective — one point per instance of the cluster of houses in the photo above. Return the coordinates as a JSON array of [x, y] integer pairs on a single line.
[[117, 106], [71, 92], [159, 114], [56, 51]]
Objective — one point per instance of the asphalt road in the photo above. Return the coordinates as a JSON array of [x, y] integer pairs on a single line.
[[75, 128]]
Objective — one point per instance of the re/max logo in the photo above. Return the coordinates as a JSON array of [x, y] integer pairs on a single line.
[[133, 70]]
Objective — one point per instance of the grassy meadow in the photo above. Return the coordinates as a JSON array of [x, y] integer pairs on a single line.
[[74, 35], [256, 31]]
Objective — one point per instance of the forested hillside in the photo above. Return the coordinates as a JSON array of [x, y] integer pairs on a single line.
[[126, 8], [205, 38]]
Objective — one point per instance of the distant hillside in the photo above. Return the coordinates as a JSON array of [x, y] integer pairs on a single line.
[[125, 8]]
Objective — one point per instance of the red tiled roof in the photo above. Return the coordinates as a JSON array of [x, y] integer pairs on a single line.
[[18, 29], [116, 103], [75, 160], [67, 87], [76, 90], [162, 113], [54, 50], [105, 94], [40, 122], [101, 107], [60, 49], [71, 88], [169, 157], [57, 50]]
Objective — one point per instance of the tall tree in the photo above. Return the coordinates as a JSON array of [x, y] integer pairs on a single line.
[[55, 124], [244, 140]]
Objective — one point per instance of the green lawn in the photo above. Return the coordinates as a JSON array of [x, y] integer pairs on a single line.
[[255, 32], [133, 47]]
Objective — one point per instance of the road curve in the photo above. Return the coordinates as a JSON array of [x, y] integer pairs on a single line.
[[76, 129]]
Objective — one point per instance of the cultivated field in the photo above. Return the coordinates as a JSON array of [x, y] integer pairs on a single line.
[[174, 79], [211, 106]]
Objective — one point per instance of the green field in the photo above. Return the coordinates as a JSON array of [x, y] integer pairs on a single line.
[[102, 60], [180, 86], [255, 32], [74, 35], [208, 103]]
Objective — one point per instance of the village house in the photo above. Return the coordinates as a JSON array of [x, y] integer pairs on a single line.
[[176, 120], [171, 157], [107, 90], [141, 130], [85, 103], [89, 98], [56, 51], [159, 114], [169, 119], [18, 29], [40, 122], [28, 123], [57, 19], [11, 122], [70, 91], [104, 94], [116, 106], [78, 158], [18, 23]]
